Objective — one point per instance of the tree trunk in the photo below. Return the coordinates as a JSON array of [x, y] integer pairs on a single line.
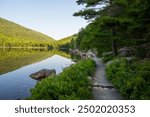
[[114, 47], [114, 43]]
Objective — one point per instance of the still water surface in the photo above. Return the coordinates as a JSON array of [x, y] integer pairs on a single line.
[[16, 84]]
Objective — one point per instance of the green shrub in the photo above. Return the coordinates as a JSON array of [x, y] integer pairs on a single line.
[[131, 78], [107, 58], [72, 83]]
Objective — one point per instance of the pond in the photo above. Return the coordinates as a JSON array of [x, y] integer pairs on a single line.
[[16, 65]]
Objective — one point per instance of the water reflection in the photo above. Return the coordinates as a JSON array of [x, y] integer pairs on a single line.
[[12, 59], [16, 84]]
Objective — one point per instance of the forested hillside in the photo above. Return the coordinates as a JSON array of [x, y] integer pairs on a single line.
[[65, 42], [14, 35]]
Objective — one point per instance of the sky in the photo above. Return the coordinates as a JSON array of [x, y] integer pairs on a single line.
[[51, 17]]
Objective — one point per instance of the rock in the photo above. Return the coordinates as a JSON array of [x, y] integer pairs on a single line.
[[83, 55], [43, 74], [129, 58], [75, 51], [126, 51], [90, 78], [107, 54], [95, 51], [110, 62], [116, 60], [90, 54]]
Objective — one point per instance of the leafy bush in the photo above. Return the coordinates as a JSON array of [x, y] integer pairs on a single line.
[[131, 78], [72, 83], [107, 58]]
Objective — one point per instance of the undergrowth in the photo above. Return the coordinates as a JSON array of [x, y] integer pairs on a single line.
[[71, 84], [132, 78]]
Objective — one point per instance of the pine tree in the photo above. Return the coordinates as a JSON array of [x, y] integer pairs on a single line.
[[109, 12]]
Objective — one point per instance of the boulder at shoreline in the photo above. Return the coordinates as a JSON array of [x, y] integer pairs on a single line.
[[42, 74]]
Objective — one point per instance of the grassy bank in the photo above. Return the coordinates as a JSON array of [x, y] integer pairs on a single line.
[[72, 83], [131, 78]]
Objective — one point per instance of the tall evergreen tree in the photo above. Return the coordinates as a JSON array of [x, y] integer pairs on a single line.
[[110, 14]]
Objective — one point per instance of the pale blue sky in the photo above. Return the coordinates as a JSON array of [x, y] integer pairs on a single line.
[[51, 17]]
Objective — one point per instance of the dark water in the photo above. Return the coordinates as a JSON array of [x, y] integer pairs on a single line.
[[15, 83]]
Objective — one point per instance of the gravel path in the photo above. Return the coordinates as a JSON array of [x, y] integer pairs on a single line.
[[102, 88]]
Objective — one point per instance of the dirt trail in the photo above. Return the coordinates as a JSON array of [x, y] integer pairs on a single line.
[[102, 88]]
